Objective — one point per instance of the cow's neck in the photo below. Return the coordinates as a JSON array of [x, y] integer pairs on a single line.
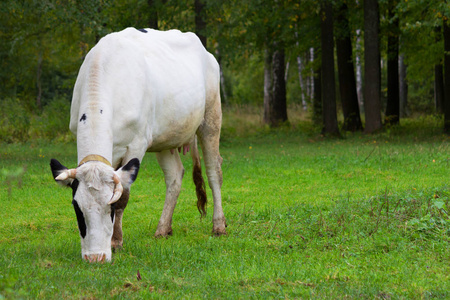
[[94, 134]]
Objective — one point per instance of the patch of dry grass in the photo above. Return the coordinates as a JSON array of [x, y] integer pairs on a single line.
[[245, 120]]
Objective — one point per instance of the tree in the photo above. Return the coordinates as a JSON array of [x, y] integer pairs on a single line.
[[200, 20], [328, 80], [372, 72], [275, 107], [304, 86], [153, 14], [446, 76], [392, 116], [422, 47], [275, 110], [278, 106], [439, 78], [38, 50], [346, 72], [403, 86], [317, 100]]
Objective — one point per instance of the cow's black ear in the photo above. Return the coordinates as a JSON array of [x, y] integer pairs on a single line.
[[129, 172], [57, 168]]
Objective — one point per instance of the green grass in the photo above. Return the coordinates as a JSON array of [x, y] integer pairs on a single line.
[[308, 217]]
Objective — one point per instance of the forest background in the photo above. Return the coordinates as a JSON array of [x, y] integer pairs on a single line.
[[346, 65]]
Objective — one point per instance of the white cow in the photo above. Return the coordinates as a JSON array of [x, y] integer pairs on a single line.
[[141, 91]]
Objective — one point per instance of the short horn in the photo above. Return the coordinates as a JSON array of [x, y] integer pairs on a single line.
[[71, 173], [118, 189]]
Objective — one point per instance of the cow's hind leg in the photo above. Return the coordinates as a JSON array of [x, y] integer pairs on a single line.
[[173, 174], [209, 136], [119, 207]]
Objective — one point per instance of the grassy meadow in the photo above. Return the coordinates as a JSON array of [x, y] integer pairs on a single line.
[[362, 217]]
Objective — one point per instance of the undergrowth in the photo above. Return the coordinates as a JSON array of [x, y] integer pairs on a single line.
[[21, 124]]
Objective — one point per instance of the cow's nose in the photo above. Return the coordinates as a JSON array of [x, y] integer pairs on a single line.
[[95, 257]]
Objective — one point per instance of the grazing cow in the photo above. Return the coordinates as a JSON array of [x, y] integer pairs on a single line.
[[141, 91]]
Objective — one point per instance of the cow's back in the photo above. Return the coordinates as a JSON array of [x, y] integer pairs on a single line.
[[143, 87]]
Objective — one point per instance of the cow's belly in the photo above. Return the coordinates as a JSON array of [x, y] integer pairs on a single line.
[[174, 133], [133, 142]]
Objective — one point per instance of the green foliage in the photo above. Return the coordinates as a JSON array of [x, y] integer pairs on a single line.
[[246, 86], [421, 43], [433, 220]]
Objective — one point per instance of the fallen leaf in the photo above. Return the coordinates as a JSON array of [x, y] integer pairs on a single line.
[[138, 276]]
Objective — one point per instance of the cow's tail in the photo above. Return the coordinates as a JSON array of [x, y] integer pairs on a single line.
[[198, 179]]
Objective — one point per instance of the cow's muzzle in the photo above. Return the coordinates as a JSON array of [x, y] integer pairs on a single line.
[[93, 258]]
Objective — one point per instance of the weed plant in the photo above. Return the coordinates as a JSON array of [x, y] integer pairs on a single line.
[[362, 217]]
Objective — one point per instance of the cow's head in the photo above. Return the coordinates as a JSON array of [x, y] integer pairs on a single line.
[[95, 188]]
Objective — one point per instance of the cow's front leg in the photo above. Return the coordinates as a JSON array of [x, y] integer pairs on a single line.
[[119, 207], [173, 174]]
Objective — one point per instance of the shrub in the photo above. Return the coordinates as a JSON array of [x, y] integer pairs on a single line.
[[53, 122], [19, 124], [14, 121]]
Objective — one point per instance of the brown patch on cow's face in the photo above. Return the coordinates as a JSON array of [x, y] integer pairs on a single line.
[[123, 201], [117, 238]]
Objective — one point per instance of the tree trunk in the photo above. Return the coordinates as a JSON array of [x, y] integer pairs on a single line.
[[200, 20], [372, 73], [439, 88], [97, 32], [153, 15], [275, 111], [311, 76], [347, 82], [403, 86], [38, 81], [359, 79], [439, 79], [317, 99], [446, 78], [268, 83], [223, 94], [286, 71], [393, 100], [328, 80], [300, 68], [301, 81], [279, 88]]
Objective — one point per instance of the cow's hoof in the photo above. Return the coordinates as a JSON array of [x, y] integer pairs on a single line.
[[163, 233], [116, 249], [219, 231], [116, 244]]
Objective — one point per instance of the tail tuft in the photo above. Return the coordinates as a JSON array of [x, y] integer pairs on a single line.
[[200, 188]]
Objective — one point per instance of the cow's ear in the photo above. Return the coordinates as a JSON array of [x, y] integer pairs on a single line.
[[129, 172], [57, 168]]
